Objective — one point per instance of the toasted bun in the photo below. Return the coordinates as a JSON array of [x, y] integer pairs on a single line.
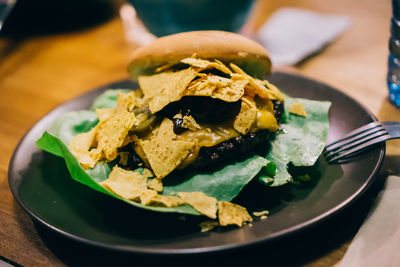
[[225, 46]]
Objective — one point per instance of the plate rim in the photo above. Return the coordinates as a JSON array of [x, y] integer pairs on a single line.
[[210, 249]]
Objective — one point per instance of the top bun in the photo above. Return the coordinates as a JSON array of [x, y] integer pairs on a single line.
[[225, 46]]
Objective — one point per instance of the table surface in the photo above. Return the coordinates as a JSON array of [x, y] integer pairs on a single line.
[[43, 67]]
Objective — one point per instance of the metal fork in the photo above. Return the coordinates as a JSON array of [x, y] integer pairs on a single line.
[[361, 139]]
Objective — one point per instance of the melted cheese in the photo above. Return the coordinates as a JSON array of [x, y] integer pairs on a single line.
[[266, 120], [211, 135]]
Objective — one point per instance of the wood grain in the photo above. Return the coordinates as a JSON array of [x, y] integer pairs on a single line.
[[38, 73]]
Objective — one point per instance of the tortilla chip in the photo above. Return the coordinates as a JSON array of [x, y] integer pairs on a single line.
[[200, 87], [127, 184], [201, 202], [246, 117], [126, 101], [208, 226], [155, 184], [196, 62], [83, 141], [164, 67], [190, 123], [85, 158], [166, 87], [206, 64], [260, 213], [80, 146], [230, 213], [230, 93], [298, 109], [112, 133], [221, 66], [104, 113], [146, 196], [274, 90], [150, 196], [168, 201], [256, 86], [96, 154], [147, 172], [163, 151], [217, 87]]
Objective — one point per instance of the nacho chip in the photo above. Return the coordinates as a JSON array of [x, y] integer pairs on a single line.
[[200, 87], [127, 184], [246, 117], [260, 213], [190, 123], [230, 93], [196, 62], [166, 87], [163, 151], [155, 184], [256, 86], [85, 158], [298, 109], [168, 201], [147, 196], [104, 113], [217, 87], [164, 67], [150, 196], [126, 101], [206, 64], [80, 146], [230, 213], [201, 202], [274, 90], [208, 226], [147, 172], [112, 133], [83, 141], [222, 67]]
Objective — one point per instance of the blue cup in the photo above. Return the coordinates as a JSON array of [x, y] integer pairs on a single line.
[[393, 75], [164, 17]]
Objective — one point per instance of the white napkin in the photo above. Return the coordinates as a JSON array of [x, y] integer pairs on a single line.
[[377, 243], [291, 34]]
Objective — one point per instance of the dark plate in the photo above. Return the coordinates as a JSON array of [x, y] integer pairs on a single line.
[[41, 184]]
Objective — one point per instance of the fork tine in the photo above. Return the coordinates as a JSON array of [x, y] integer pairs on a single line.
[[357, 131], [356, 143], [355, 140], [345, 153]]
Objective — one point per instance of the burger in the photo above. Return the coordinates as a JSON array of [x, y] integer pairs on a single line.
[[205, 92]]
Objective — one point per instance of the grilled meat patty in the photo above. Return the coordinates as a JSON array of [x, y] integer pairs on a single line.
[[238, 145], [223, 151]]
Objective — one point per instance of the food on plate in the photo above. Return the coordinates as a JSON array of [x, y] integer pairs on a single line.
[[196, 105], [298, 109], [188, 139]]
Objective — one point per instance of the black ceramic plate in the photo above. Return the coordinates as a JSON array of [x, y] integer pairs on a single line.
[[41, 184]]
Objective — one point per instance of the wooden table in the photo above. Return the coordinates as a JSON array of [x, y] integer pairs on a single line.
[[40, 71]]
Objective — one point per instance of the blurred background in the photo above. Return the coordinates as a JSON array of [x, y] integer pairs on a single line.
[[38, 17]]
